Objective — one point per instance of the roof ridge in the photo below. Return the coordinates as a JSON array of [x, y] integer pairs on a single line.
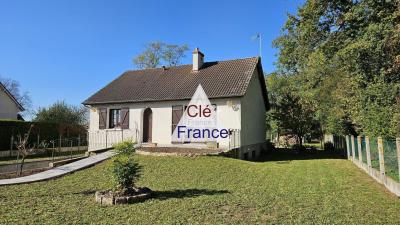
[[158, 68]]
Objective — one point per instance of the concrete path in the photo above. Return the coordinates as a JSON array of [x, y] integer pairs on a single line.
[[59, 171]]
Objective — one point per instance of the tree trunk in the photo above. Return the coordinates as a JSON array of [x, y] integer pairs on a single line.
[[21, 166]]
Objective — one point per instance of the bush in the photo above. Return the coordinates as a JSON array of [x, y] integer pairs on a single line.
[[328, 146], [125, 173], [124, 148]]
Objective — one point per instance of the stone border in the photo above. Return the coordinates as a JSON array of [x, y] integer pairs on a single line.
[[105, 198]]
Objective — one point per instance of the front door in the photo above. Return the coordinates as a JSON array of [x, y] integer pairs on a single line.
[[147, 125]]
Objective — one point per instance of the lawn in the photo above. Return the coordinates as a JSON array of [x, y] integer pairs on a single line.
[[213, 190]]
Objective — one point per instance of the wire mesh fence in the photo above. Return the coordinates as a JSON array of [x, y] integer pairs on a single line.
[[363, 150], [379, 157], [57, 149], [373, 143], [390, 159], [355, 149]]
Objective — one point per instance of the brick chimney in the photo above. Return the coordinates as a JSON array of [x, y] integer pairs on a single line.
[[198, 59]]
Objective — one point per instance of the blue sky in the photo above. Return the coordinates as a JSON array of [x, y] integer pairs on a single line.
[[67, 50]]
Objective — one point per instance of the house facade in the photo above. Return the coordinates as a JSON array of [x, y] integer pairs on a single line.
[[9, 106], [146, 105]]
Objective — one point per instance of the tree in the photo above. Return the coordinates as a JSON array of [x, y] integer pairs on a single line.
[[289, 114], [14, 88], [124, 169], [61, 112], [24, 150], [294, 117], [344, 60], [160, 53]]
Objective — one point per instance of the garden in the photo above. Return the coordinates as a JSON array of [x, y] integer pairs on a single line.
[[289, 188]]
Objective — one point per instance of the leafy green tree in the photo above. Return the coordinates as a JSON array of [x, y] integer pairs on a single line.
[[160, 53], [124, 169], [125, 173], [61, 112], [343, 60], [289, 115]]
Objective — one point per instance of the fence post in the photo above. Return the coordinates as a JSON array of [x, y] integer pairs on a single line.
[[79, 141], [368, 149], [381, 157], [359, 149], [11, 145], [71, 150], [59, 142], [398, 154], [52, 152], [106, 137], [353, 147], [348, 146]]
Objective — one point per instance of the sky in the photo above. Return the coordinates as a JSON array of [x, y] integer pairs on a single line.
[[69, 49]]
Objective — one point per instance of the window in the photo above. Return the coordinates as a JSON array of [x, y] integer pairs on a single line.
[[115, 118]]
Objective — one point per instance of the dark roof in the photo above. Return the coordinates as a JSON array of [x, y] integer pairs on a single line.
[[12, 97], [219, 79]]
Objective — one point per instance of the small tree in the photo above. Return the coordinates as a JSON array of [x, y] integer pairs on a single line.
[[125, 173], [295, 117], [23, 149], [124, 169]]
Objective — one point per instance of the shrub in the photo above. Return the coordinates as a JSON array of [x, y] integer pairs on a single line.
[[328, 146], [125, 173], [124, 148]]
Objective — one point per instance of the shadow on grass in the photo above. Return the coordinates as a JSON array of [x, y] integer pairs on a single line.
[[283, 155], [186, 193], [85, 192], [165, 195]]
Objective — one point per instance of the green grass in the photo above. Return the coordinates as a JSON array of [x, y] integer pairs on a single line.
[[312, 189]]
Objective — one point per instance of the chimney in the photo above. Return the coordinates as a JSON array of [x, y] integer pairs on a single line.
[[198, 59]]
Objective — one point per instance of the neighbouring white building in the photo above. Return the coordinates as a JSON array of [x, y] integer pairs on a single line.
[[9, 106], [146, 105]]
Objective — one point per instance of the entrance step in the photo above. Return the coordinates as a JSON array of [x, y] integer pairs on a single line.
[[149, 144]]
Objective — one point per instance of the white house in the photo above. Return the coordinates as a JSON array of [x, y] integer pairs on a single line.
[[146, 105], [9, 106]]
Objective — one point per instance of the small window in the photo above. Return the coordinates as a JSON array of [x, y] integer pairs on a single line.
[[115, 118]]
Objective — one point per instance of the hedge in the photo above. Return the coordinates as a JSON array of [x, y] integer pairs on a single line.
[[46, 131]]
